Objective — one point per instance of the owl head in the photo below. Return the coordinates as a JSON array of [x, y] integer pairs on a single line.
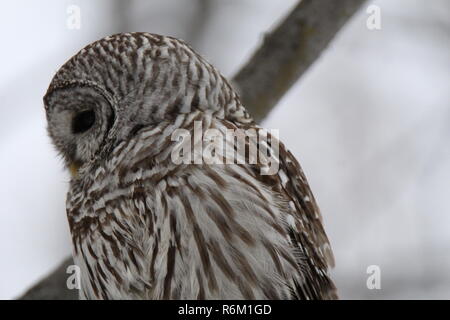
[[122, 83]]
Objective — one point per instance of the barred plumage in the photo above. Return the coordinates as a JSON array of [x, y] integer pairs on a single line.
[[144, 227]]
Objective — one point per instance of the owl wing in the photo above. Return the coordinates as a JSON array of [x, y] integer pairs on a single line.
[[306, 230], [303, 220]]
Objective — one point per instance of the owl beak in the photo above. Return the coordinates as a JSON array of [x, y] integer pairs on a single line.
[[73, 168]]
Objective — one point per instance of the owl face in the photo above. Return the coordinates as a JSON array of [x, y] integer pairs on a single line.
[[120, 83], [79, 119]]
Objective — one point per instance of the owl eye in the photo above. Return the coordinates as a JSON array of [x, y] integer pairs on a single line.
[[83, 121]]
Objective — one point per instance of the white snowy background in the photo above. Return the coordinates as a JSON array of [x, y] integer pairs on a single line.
[[370, 123]]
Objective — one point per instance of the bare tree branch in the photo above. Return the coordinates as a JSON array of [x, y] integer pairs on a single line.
[[53, 287], [284, 56], [288, 51]]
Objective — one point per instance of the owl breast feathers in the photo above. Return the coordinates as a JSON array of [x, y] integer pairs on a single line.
[[147, 227]]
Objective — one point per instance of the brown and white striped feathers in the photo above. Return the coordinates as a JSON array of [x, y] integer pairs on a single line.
[[144, 227]]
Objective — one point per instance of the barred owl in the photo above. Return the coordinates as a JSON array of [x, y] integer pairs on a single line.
[[146, 227]]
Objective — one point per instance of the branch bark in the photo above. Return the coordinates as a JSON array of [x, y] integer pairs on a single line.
[[53, 286], [285, 54], [288, 51]]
